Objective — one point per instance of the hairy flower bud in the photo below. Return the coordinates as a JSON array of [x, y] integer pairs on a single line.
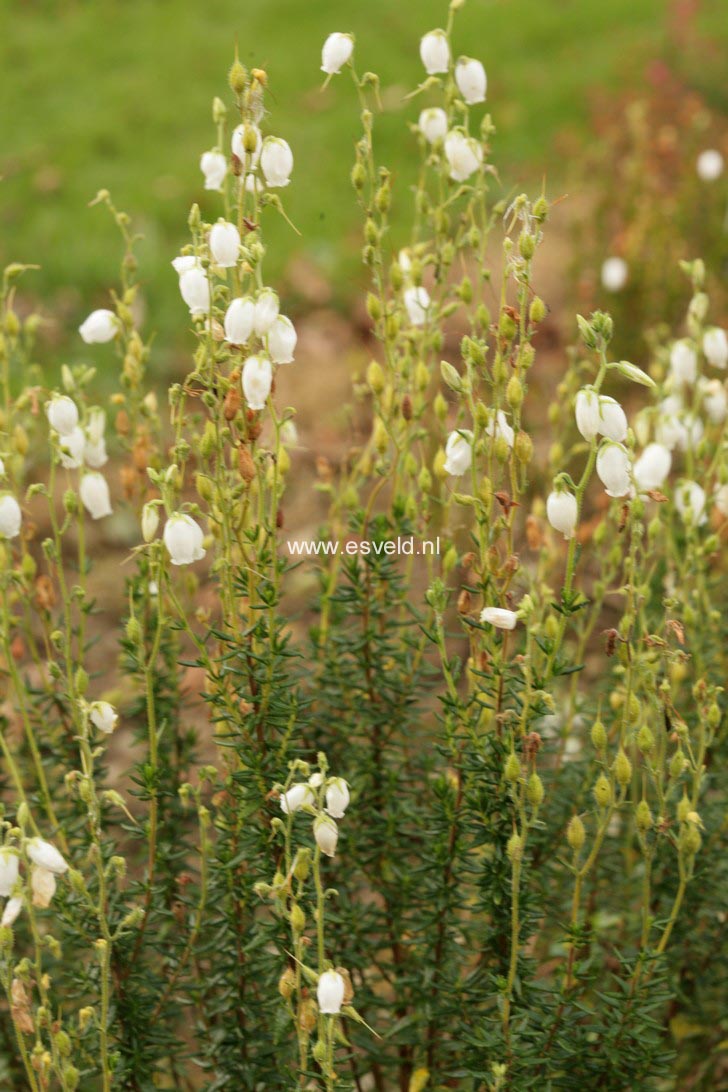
[[575, 833], [622, 769], [603, 791]]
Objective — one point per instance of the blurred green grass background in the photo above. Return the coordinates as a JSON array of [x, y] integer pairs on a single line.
[[117, 94]]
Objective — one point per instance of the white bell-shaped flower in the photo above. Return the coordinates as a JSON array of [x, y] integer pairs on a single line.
[[294, 798], [183, 539], [194, 287], [715, 347], [214, 168], [10, 516], [337, 50], [613, 468], [282, 338], [45, 855], [683, 363], [94, 492], [417, 303], [615, 272], [652, 467], [42, 886], [690, 502], [62, 414], [587, 413], [94, 452], [100, 326], [103, 716], [276, 161], [562, 511], [224, 244], [432, 124], [257, 380], [471, 80], [12, 911], [326, 833], [9, 863], [71, 448], [715, 400], [330, 993], [266, 311], [337, 797], [612, 419], [435, 52], [239, 320], [464, 155], [459, 452], [499, 617]]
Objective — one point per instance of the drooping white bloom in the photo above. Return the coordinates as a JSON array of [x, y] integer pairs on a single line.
[[715, 347], [94, 492], [289, 434], [294, 799], [614, 274], [690, 502], [337, 797], [471, 80], [238, 146], [266, 311], [562, 512], [586, 409], [45, 855], [709, 165], [282, 338], [103, 716], [94, 452], [183, 539], [276, 161], [652, 467], [433, 124], [613, 468], [183, 262], [435, 52], [683, 362], [499, 617], [464, 155], [503, 430], [71, 448], [337, 50], [721, 499], [10, 516], [100, 326], [404, 261], [195, 289], [150, 521], [612, 419], [224, 244], [715, 400], [43, 886], [12, 910], [239, 320], [326, 833], [257, 380], [459, 452], [62, 414], [417, 302], [330, 993], [677, 427], [8, 871], [214, 167]]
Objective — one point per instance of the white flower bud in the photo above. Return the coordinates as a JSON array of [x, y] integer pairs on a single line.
[[103, 716], [224, 244], [94, 451], [71, 449], [613, 468], [185, 262], [709, 165], [433, 124], [715, 347], [502, 428], [12, 910], [195, 289], [249, 158], [464, 155], [330, 993], [326, 833], [652, 467], [150, 521], [257, 380], [8, 871], [294, 799], [94, 492], [715, 400], [337, 797], [499, 617], [62, 414], [100, 326], [276, 161], [471, 80], [10, 516], [239, 319], [43, 886], [282, 338], [683, 362], [613, 421], [614, 274], [337, 50], [586, 408], [183, 539], [266, 311], [214, 167], [459, 452], [417, 302], [562, 511], [45, 855], [435, 52], [690, 502]]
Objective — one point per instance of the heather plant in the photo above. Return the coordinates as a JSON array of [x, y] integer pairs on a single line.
[[464, 829]]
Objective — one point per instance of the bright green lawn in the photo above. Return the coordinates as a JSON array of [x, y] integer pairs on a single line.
[[116, 93]]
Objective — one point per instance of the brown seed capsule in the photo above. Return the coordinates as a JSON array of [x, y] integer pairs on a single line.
[[308, 1015], [279, 518], [45, 593], [122, 423], [232, 401], [348, 987], [534, 534], [246, 466], [407, 408]]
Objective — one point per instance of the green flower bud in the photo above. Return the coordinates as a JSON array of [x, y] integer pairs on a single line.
[[603, 791], [643, 816], [535, 790], [575, 833], [515, 847], [622, 769], [599, 736], [512, 768], [646, 740]]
